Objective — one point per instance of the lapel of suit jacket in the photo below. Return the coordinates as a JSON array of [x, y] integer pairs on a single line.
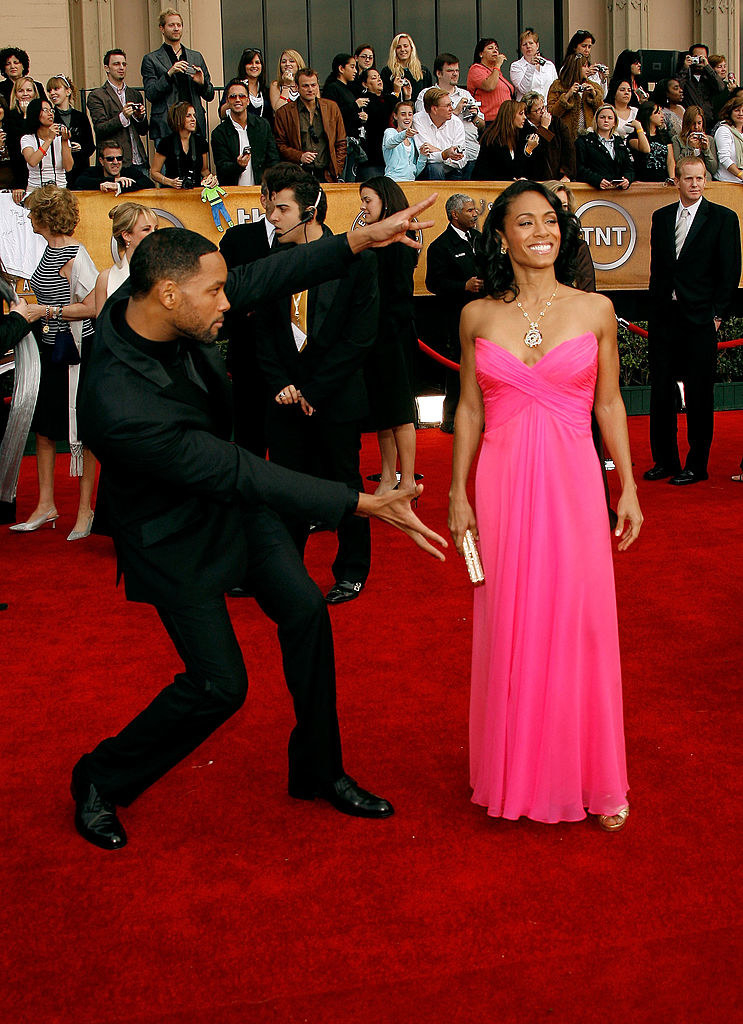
[[697, 224], [324, 298]]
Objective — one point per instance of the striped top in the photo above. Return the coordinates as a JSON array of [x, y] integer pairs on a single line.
[[51, 288]]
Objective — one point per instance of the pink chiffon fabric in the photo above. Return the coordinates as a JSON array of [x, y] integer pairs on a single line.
[[546, 730]]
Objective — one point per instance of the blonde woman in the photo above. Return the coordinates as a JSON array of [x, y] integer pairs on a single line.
[[131, 222], [284, 89], [403, 65]]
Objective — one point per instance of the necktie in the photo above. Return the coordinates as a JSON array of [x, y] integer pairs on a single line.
[[299, 319], [682, 228]]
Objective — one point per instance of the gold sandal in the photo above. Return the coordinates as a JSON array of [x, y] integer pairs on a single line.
[[613, 822], [738, 478]]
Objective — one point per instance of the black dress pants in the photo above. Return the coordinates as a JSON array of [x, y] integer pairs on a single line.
[[312, 445], [680, 350], [214, 682]]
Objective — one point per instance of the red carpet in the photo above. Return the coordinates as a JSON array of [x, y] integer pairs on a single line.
[[233, 904]]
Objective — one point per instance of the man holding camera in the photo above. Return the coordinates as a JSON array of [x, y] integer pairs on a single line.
[[464, 105], [118, 113], [174, 74], [441, 136], [702, 86], [243, 144]]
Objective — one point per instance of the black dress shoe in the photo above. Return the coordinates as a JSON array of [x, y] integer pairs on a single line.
[[688, 476], [659, 473], [95, 818], [347, 797], [343, 591]]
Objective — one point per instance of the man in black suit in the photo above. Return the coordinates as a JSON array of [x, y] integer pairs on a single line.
[[172, 74], [118, 112], [241, 246], [695, 266], [192, 515], [452, 276], [312, 347], [243, 144], [702, 86]]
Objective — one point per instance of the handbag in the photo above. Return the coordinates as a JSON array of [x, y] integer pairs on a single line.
[[65, 350]]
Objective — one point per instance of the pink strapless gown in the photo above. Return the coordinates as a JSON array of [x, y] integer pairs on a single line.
[[546, 731]]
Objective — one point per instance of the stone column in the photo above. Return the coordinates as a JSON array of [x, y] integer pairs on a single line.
[[716, 24], [92, 33], [628, 27]]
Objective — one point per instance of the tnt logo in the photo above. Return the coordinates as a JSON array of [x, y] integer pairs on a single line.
[[610, 232]]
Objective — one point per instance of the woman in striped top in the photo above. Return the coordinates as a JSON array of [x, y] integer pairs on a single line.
[[63, 283]]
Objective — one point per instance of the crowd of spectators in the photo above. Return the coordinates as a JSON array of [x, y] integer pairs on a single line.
[[520, 115]]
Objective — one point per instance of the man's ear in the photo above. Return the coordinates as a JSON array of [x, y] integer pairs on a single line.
[[168, 293]]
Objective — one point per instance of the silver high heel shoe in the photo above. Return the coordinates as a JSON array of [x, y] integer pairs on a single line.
[[34, 524], [79, 534]]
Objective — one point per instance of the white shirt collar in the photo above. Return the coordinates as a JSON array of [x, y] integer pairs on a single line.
[[459, 231], [692, 210]]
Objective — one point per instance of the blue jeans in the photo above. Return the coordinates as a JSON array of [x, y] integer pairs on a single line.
[[443, 172]]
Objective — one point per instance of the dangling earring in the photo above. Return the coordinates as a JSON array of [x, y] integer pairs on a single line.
[[503, 249], [128, 244]]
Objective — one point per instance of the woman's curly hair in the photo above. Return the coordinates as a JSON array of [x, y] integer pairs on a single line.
[[500, 282]]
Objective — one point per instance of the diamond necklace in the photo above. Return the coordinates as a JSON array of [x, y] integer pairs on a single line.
[[533, 336]]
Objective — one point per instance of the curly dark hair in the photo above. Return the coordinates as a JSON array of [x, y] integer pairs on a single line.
[[18, 53], [500, 282]]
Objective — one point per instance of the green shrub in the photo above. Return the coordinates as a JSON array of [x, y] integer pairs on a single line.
[[633, 355]]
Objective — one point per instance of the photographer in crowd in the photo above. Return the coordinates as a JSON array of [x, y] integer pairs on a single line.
[[440, 136], [464, 106], [532, 73], [182, 158], [242, 145], [173, 74], [572, 98], [61, 92], [45, 147], [118, 113], [111, 174], [702, 86]]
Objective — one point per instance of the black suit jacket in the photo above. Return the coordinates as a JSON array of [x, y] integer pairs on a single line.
[[226, 149], [706, 274], [161, 89], [176, 488], [342, 319], [594, 162], [241, 246], [93, 177], [104, 109], [450, 263]]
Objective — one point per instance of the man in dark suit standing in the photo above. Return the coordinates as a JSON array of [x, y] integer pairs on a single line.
[[312, 347], [192, 515], [173, 74], [241, 246], [118, 112], [452, 276], [695, 266], [242, 144]]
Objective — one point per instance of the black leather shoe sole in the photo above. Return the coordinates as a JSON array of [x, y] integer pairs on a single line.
[[95, 818], [659, 473]]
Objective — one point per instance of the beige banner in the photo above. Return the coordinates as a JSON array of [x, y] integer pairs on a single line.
[[616, 225]]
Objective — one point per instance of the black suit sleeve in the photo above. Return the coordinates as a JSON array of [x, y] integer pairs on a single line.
[[729, 267], [283, 273], [439, 278]]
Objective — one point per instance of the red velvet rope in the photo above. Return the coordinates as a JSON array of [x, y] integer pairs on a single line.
[[632, 328]]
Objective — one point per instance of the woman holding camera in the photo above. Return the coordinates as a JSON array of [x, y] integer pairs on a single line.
[[573, 99], [45, 147], [652, 145], [404, 66], [61, 91], [504, 155], [601, 155], [283, 89], [182, 158], [693, 140]]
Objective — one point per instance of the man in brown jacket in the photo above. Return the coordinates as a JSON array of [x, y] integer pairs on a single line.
[[310, 131]]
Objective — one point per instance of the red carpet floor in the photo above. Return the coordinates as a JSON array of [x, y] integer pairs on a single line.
[[233, 904]]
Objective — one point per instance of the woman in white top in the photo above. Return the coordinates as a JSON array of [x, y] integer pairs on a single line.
[[532, 73], [626, 113], [45, 147], [131, 223], [729, 142]]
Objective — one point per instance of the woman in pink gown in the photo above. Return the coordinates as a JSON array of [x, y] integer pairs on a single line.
[[546, 732]]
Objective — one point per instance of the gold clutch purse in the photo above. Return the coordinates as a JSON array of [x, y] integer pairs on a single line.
[[472, 559]]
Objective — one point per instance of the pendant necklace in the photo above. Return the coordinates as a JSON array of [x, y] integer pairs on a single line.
[[533, 336]]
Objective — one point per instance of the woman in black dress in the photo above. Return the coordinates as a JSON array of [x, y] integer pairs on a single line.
[[182, 158], [388, 370]]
